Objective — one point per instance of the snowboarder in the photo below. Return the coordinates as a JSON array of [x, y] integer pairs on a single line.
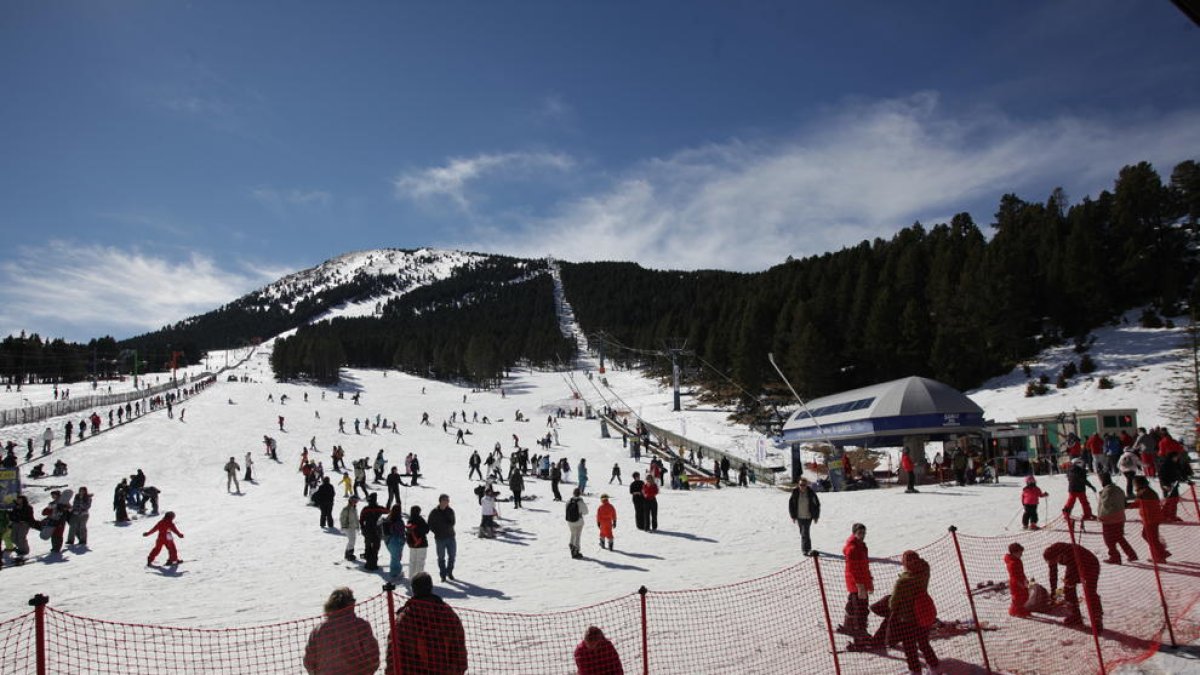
[[167, 531]]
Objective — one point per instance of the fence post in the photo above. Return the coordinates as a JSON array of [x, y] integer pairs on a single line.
[[987, 664], [1195, 502], [1079, 566], [837, 666], [393, 643], [39, 612], [645, 639], [1163, 598]]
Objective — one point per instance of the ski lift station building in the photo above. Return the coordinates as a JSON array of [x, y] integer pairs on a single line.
[[904, 412]]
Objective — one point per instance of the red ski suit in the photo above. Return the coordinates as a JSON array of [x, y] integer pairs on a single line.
[[166, 537]]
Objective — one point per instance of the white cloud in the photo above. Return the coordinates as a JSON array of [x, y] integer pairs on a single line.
[[862, 171], [451, 181], [75, 290]]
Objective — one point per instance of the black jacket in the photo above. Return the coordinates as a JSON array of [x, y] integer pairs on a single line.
[[441, 523], [324, 495], [635, 489], [1077, 479], [814, 504]]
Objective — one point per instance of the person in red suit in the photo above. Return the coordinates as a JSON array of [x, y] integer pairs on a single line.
[[1018, 584], [859, 585], [166, 537], [595, 655]]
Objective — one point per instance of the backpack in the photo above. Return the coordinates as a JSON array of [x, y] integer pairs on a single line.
[[573, 510], [924, 611]]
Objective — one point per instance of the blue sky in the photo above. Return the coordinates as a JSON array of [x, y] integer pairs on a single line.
[[159, 158]]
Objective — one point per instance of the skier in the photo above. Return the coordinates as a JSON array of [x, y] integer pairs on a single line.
[[606, 520], [56, 513], [1030, 495], [1076, 482], [231, 479], [349, 522], [1129, 465], [166, 537], [616, 474], [582, 476], [473, 464], [555, 479], [441, 523], [576, 510], [249, 472], [281, 423]]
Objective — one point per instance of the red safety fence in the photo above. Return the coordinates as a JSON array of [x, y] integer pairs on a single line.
[[788, 621]]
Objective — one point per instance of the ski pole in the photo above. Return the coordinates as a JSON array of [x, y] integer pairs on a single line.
[[1010, 520]]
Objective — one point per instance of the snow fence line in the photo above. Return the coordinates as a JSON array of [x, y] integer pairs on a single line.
[[51, 409], [785, 622]]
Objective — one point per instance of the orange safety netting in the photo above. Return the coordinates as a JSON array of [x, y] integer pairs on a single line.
[[784, 622]]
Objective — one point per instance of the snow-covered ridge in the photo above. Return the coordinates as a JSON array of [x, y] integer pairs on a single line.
[[409, 269]]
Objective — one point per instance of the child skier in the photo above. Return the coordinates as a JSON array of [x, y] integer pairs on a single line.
[[606, 519], [1018, 585], [1029, 499], [166, 537]]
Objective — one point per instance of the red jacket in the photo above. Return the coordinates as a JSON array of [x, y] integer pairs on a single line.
[[1168, 446], [601, 659], [1095, 444], [906, 463], [858, 569], [164, 528], [649, 490], [1016, 571], [1074, 449]]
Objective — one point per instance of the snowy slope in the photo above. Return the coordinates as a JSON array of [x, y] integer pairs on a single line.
[[264, 544]]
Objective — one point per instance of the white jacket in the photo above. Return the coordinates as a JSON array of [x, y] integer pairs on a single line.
[[1129, 461]]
